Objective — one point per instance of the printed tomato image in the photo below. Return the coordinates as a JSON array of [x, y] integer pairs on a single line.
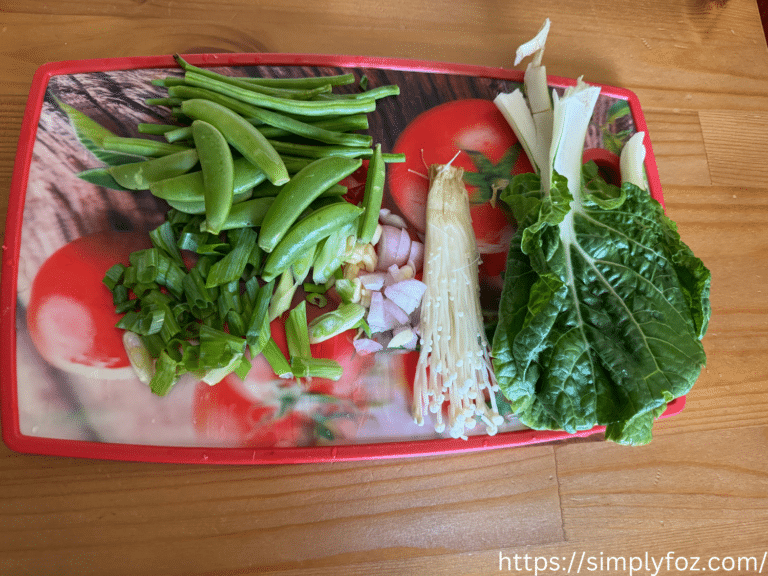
[[71, 317], [489, 153], [264, 410]]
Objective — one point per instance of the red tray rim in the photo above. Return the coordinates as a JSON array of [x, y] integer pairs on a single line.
[[9, 414]]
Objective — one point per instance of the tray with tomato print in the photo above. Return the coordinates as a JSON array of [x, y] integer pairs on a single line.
[[67, 387]]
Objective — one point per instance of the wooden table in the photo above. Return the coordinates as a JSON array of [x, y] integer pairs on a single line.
[[700, 69]]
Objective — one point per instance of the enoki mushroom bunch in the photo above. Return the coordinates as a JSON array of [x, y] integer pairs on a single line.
[[454, 363]]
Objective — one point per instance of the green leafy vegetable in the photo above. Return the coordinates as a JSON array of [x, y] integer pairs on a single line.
[[602, 312], [604, 306]]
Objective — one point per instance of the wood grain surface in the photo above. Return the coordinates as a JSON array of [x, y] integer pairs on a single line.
[[700, 489]]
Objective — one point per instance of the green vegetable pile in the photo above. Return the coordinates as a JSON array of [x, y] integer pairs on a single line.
[[252, 175], [602, 325], [603, 307]]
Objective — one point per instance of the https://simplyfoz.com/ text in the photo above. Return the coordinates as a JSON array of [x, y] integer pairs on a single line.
[[630, 565]]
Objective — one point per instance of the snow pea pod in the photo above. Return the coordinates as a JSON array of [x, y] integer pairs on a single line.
[[320, 151], [242, 135], [299, 193], [190, 188], [305, 234], [140, 146], [247, 214], [218, 169], [139, 175], [198, 206]]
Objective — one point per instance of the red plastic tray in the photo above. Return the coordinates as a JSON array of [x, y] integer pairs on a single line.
[[52, 409]]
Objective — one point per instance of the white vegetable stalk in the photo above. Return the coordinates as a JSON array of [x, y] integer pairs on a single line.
[[454, 363], [632, 162], [531, 120], [572, 114], [552, 136]]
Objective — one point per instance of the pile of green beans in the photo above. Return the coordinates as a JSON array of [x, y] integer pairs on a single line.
[[278, 125], [252, 173]]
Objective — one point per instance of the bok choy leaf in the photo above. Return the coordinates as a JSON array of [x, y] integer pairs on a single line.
[[604, 306]]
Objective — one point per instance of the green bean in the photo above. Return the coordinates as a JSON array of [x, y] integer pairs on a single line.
[[375, 93], [335, 124], [299, 193], [140, 146], [287, 124], [310, 131], [169, 102], [325, 200], [155, 129], [309, 82], [372, 197], [168, 81], [139, 175], [305, 234], [248, 214], [295, 164], [241, 135], [189, 187], [305, 107], [280, 92], [317, 151], [178, 133], [267, 189], [218, 168], [390, 157]]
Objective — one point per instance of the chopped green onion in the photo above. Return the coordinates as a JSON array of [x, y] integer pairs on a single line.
[[316, 367], [297, 333], [277, 359], [281, 299], [258, 331], [165, 375], [330, 324], [114, 276], [232, 266], [319, 288], [317, 299]]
